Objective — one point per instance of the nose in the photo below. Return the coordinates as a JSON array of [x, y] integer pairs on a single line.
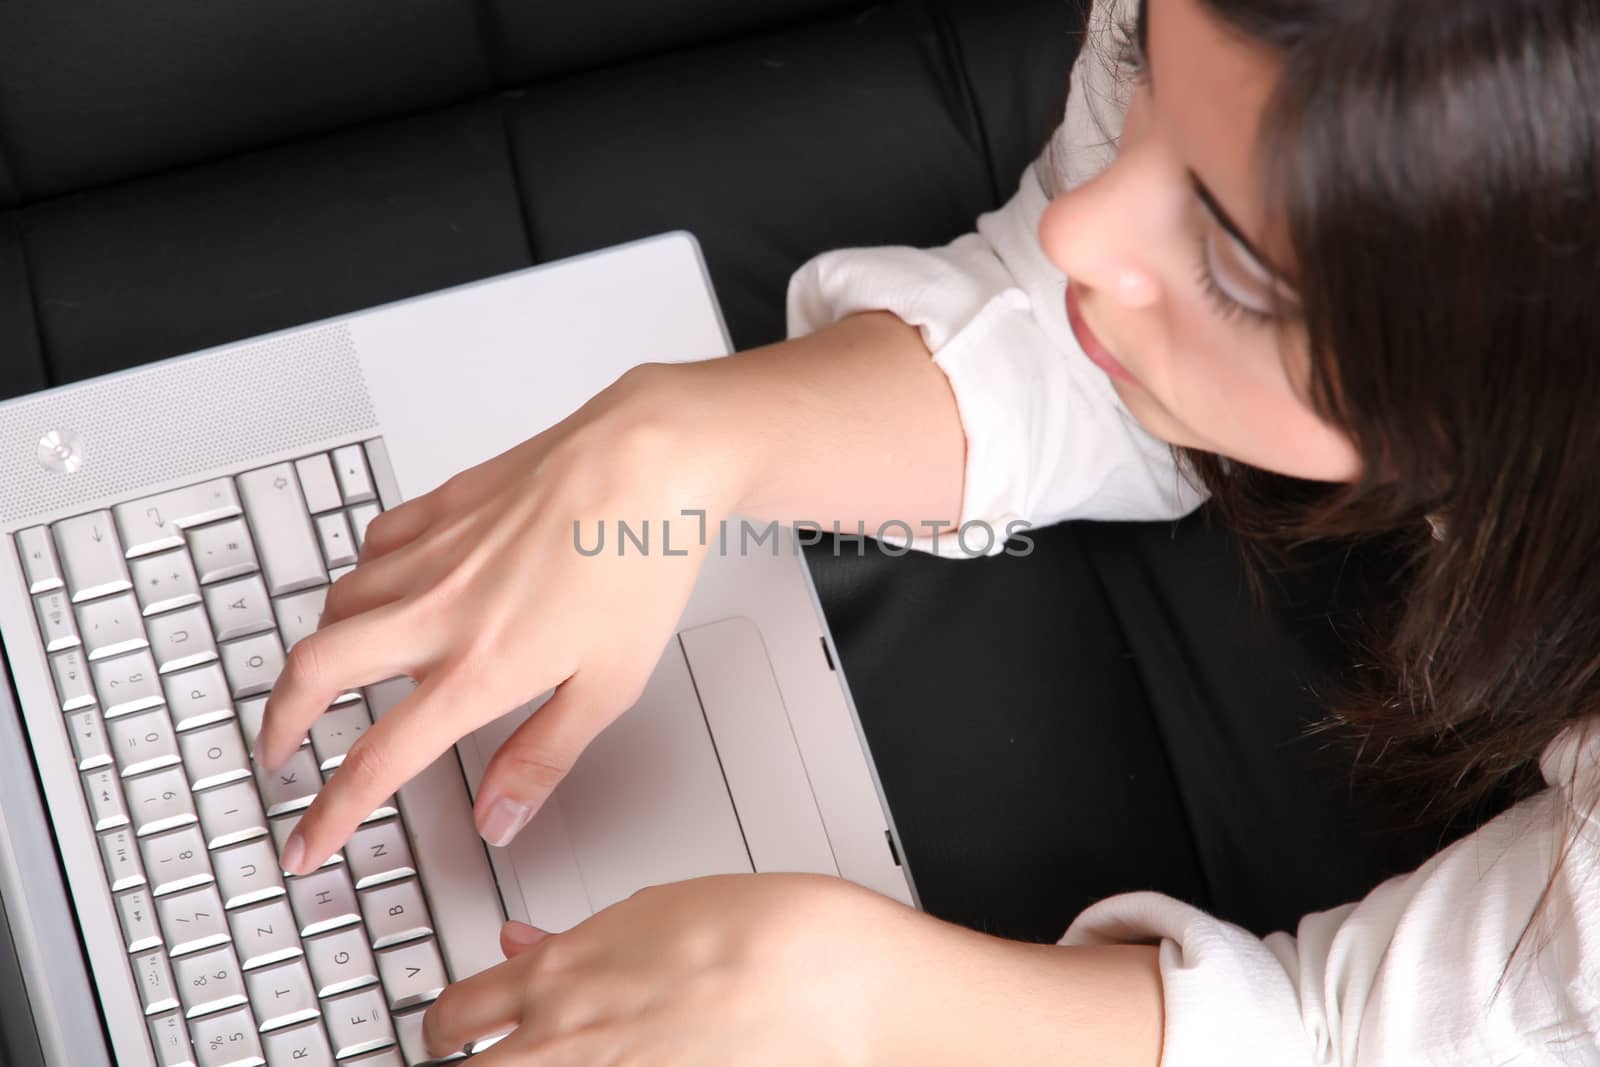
[[1102, 233]]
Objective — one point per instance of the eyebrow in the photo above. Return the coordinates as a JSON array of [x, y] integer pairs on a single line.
[[1230, 227]]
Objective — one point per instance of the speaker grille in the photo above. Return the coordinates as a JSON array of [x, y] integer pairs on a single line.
[[181, 417]]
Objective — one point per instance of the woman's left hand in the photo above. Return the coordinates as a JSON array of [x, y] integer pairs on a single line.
[[774, 969]]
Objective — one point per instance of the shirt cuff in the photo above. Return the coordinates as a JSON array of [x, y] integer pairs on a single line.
[[1230, 997]]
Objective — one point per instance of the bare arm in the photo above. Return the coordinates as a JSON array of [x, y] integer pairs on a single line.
[[853, 422]]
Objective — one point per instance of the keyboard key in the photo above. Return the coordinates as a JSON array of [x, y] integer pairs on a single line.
[[153, 975], [389, 1057], [107, 809], [284, 825], [127, 683], [412, 974], [193, 920], [360, 518], [265, 933], [165, 581], [317, 483], [252, 664], [39, 561], [408, 1030], [72, 679], [214, 755], [299, 614], [159, 801], [89, 742], [395, 913], [358, 1022], [239, 607], [281, 994], [341, 961], [91, 556], [300, 1046], [248, 873], [143, 741], [378, 853], [227, 1039], [338, 546], [111, 625], [250, 713], [181, 638], [290, 787], [138, 916], [121, 856], [223, 550], [176, 860], [290, 557], [209, 981], [56, 624], [350, 464], [157, 522], [230, 814], [337, 729], [197, 696], [323, 900], [170, 1037]]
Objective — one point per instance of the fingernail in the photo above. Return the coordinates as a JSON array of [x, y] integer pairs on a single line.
[[506, 817], [523, 934], [294, 852]]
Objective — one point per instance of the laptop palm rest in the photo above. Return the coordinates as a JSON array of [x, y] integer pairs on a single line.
[[648, 802]]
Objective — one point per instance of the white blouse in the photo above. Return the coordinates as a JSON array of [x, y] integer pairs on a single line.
[[1412, 973]]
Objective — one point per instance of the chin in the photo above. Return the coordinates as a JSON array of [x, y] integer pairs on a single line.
[[1150, 414]]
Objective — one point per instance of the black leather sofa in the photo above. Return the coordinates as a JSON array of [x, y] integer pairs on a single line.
[[1109, 713]]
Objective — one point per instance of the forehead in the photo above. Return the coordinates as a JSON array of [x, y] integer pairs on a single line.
[[1209, 87]]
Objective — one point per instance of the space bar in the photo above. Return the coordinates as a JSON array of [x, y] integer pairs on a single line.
[[461, 890]]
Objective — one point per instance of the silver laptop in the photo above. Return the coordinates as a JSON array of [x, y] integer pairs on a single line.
[[170, 531]]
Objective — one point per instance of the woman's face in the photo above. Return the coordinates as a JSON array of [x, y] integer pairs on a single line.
[[1173, 267]]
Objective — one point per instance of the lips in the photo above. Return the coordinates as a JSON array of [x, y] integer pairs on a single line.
[[1098, 354]]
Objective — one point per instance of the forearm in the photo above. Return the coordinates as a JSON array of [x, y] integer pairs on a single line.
[[1025, 1004], [852, 423], [1055, 1005]]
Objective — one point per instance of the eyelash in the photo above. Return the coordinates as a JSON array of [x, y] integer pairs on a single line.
[[1226, 306]]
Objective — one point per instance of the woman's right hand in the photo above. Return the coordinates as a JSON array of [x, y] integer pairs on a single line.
[[477, 590]]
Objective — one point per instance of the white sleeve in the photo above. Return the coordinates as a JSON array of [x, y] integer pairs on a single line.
[[1409, 974], [1047, 436]]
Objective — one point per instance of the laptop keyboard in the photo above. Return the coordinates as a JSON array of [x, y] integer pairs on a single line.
[[166, 620]]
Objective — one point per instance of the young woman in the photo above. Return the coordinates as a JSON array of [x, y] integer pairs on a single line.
[[1339, 253]]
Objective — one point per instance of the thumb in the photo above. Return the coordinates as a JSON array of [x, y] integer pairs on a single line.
[[517, 938], [535, 758]]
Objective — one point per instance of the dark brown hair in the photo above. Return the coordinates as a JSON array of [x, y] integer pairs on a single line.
[[1437, 165]]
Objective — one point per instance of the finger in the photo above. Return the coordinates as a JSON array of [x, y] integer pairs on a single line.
[[411, 735], [477, 1007], [517, 938], [349, 653], [372, 584], [536, 757], [394, 528]]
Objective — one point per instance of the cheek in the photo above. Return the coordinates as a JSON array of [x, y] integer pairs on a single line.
[[1242, 398]]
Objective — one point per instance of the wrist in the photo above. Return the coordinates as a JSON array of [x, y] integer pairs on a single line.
[[723, 427], [683, 416]]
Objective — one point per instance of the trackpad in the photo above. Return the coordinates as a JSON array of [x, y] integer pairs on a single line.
[[646, 804]]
